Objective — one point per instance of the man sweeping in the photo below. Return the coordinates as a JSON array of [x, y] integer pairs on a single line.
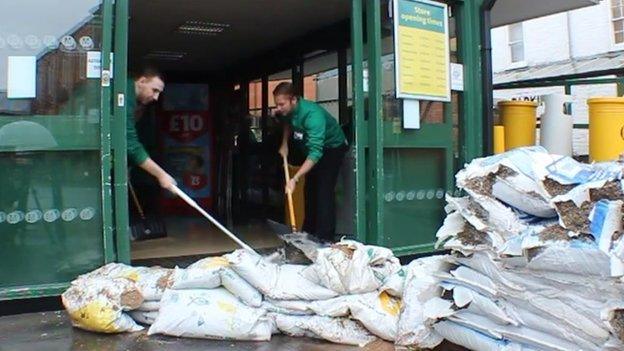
[[142, 91], [325, 145]]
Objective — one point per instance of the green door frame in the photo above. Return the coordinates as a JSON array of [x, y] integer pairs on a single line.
[[122, 222]]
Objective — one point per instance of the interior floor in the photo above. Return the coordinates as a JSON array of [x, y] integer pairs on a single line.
[[191, 236]]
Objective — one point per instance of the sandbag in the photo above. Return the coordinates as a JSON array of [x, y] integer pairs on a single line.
[[279, 282], [196, 278], [349, 267], [240, 288], [144, 317], [336, 330], [149, 306], [414, 328], [210, 314], [152, 281], [377, 312], [98, 303]]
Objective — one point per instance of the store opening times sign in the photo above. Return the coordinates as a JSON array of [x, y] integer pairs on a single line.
[[422, 56]]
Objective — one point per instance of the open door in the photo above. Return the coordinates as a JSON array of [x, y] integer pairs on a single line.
[[407, 171], [55, 203]]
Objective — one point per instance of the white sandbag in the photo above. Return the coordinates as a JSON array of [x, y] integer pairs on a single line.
[[349, 267], [578, 257], [378, 312], [152, 281], [210, 314], [336, 330], [144, 317], [606, 227], [97, 304], [414, 329], [520, 335], [149, 306], [280, 282], [210, 263], [196, 278], [289, 307], [471, 339], [476, 303], [240, 288], [395, 284]]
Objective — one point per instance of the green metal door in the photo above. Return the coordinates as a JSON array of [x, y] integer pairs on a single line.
[[55, 151], [406, 172]]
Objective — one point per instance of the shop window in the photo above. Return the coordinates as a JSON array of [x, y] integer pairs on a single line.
[[516, 42]]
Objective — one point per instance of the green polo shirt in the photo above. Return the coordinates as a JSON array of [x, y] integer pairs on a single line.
[[136, 152], [319, 128]]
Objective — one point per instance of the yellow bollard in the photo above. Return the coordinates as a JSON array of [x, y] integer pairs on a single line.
[[606, 128], [519, 119], [499, 139]]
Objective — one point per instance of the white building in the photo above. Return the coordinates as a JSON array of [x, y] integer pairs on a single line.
[[564, 44]]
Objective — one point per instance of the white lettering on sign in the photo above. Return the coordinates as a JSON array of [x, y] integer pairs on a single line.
[[69, 214], [33, 216], [186, 123], [51, 215], [15, 217], [87, 214]]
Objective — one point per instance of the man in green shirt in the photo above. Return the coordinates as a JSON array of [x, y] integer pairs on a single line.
[[325, 146], [143, 91]]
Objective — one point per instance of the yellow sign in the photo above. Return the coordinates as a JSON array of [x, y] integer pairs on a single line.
[[422, 56]]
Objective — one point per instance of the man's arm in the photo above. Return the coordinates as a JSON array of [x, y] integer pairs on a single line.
[[166, 181], [315, 128]]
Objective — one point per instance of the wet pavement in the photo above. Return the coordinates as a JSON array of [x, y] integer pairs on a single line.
[[52, 331]]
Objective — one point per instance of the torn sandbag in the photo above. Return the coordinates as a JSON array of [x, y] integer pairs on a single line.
[[574, 207], [459, 235], [512, 179], [349, 267], [280, 282], [488, 216], [210, 314], [336, 330], [98, 303], [152, 281]]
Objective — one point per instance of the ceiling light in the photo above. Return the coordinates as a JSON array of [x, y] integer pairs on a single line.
[[165, 55], [202, 28]]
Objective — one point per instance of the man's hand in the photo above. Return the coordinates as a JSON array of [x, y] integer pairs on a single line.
[[166, 181], [283, 150], [290, 186]]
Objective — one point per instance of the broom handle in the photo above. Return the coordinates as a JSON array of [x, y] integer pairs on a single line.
[[136, 200], [291, 207], [194, 204]]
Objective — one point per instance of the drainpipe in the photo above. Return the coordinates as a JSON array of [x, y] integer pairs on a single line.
[[486, 69]]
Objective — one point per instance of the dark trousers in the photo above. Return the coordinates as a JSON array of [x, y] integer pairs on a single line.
[[320, 202]]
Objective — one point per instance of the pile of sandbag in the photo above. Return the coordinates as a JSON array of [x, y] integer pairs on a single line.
[[351, 294], [537, 258]]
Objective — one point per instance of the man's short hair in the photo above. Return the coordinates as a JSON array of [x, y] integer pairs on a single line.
[[285, 88], [151, 72]]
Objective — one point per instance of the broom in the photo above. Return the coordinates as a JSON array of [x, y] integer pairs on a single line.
[[144, 228]]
